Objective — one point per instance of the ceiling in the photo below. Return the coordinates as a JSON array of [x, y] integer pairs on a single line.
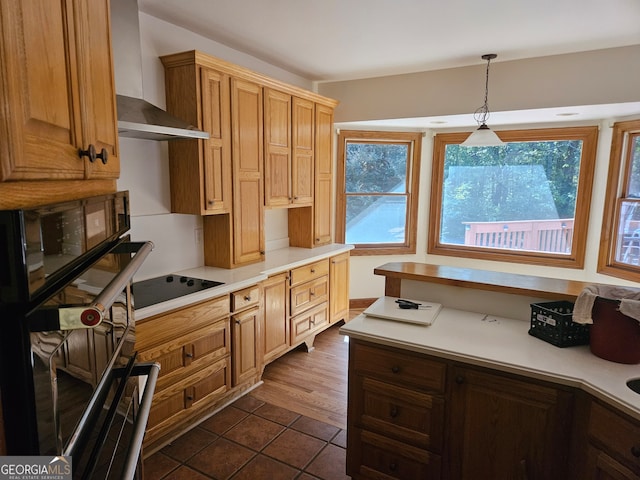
[[328, 40], [331, 40]]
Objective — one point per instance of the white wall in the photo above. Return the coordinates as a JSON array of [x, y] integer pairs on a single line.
[[145, 163]]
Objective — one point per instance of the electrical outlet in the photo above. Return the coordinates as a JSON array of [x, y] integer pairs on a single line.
[[198, 236]]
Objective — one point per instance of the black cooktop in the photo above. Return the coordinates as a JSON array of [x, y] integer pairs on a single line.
[[160, 289]]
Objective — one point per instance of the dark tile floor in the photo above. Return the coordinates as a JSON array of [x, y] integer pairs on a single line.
[[253, 440]]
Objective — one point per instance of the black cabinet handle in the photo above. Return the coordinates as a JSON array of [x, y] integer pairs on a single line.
[[93, 155], [395, 369], [89, 153], [459, 379], [104, 156], [635, 451], [393, 466], [394, 411]]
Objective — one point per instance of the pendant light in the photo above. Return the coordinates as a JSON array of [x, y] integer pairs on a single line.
[[483, 136]]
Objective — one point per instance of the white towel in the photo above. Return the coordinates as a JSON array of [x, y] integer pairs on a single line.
[[629, 301]]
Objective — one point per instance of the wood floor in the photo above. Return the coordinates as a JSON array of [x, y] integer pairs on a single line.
[[313, 383]]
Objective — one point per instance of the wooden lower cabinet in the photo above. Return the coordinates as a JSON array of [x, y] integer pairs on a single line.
[[308, 322], [339, 287], [275, 330], [193, 347], [613, 452], [245, 331], [395, 414], [413, 416], [504, 427]]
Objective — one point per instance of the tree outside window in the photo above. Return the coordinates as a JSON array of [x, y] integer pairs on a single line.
[[526, 201]]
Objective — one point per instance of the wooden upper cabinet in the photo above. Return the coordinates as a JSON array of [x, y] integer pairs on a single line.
[[247, 158], [323, 204], [216, 151], [277, 141], [289, 140], [200, 170], [57, 89], [302, 167]]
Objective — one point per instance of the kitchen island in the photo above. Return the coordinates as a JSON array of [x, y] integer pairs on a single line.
[[475, 396]]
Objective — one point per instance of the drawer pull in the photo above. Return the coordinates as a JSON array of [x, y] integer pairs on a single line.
[[247, 298], [395, 369], [394, 411], [635, 451], [188, 355], [313, 270], [459, 379], [189, 397], [393, 466]]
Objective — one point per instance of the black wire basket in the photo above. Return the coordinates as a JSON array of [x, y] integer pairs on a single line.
[[553, 323]]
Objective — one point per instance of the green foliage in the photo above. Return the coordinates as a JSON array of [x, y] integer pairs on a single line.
[[517, 181]]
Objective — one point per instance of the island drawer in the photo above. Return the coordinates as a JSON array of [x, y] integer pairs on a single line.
[[399, 367]]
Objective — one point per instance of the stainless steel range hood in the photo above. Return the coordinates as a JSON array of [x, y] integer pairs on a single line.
[[138, 118]]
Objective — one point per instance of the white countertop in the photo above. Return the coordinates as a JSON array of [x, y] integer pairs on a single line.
[[276, 261], [504, 344]]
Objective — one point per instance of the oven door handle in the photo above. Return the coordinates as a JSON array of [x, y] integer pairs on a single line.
[[90, 316]]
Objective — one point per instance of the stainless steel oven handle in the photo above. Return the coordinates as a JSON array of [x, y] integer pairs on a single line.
[[90, 316], [108, 295]]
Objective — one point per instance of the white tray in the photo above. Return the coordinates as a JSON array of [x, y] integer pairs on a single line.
[[388, 309]]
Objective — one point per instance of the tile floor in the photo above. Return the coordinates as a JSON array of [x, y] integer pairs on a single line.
[[253, 440]]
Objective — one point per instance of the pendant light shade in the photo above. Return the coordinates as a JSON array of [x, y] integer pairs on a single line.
[[483, 136]]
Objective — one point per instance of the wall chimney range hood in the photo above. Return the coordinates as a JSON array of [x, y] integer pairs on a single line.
[[138, 118]]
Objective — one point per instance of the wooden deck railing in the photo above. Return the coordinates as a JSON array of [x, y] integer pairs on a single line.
[[536, 235]]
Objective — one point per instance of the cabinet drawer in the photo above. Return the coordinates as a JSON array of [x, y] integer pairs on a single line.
[[307, 323], [381, 457], [182, 356], [308, 294], [164, 328], [397, 366], [618, 436], [245, 298], [173, 403], [406, 415], [309, 272]]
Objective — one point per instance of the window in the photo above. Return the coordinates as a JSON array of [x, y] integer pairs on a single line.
[[526, 201], [620, 239], [378, 191]]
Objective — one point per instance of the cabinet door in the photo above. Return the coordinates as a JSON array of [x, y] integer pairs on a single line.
[[244, 345], [275, 321], [601, 466], [302, 166], [216, 154], [39, 92], [277, 140], [507, 428], [323, 194], [58, 90], [247, 153], [97, 90], [339, 288]]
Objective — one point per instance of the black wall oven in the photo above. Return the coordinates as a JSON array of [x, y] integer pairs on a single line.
[[69, 382]]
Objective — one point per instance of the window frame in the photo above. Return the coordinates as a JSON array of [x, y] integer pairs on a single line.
[[589, 137], [413, 179], [615, 194]]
